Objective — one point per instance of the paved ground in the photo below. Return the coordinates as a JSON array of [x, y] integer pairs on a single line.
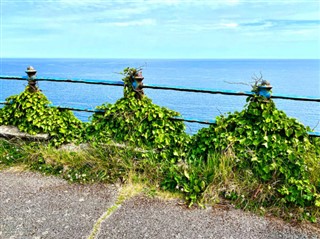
[[146, 218], [33, 206]]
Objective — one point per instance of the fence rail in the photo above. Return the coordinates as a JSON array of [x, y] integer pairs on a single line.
[[92, 110], [166, 87], [162, 87]]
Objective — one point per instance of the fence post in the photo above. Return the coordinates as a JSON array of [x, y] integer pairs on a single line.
[[32, 83], [137, 84], [264, 89]]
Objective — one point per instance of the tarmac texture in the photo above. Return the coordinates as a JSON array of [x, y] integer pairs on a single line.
[[35, 206]]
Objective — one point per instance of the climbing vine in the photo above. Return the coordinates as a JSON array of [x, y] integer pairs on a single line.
[[31, 113], [139, 122], [269, 143]]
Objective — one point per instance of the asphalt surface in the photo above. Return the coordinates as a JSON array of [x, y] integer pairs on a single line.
[[151, 218], [35, 206]]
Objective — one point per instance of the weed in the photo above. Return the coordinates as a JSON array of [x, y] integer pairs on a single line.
[[11, 152]]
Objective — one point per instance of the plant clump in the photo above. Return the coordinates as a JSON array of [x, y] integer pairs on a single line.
[[264, 140], [31, 113], [139, 123]]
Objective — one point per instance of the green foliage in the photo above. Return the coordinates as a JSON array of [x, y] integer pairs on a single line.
[[142, 124], [267, 142], [10, 153], [191, 178], [92, 164], [29, 111], [200, 181]]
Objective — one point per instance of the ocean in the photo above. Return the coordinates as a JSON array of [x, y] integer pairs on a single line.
[[291, 77]]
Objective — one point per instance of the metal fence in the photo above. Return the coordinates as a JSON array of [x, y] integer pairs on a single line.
[[31, 75]]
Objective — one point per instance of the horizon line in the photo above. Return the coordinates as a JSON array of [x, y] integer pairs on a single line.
[[153, 58]]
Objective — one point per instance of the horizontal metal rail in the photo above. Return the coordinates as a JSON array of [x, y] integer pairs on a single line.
[[166, 87], [312, 134], [231, 92], [91, 110], [75, 80]]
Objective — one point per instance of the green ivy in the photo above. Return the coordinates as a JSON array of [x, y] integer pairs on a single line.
[[191, 178], [29, 111], [140, 123], [265, 140]]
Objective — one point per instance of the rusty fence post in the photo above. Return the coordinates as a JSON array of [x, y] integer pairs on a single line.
[[137, 84], [264, 89], [32, 83]]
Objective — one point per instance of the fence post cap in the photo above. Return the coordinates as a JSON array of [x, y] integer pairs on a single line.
[[139, 76], [30, 69]]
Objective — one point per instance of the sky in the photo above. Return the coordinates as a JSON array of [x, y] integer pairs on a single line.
[[218, 29]]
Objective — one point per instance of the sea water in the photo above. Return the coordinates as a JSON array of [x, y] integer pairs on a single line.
[[291, 77]]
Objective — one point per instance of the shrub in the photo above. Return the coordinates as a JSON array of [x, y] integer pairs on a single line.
[[31, 113], [140, 123], [266, 141]]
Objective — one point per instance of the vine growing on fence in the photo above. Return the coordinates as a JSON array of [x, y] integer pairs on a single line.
[[31, 113], [141, 123], [266, 141]]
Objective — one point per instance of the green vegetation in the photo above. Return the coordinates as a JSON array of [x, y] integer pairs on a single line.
[[30, 112], [267, 142], [139, 123], [258, 159]]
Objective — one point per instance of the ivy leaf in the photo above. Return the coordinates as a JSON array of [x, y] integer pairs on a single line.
[[186, 174]]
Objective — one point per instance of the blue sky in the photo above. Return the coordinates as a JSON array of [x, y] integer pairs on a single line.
[[160, 29]]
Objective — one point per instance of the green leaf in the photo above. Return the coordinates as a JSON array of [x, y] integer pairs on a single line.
[[186, 174]]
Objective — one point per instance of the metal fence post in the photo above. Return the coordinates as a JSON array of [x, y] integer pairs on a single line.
[[138, 85], [264, 89], [32, 83]]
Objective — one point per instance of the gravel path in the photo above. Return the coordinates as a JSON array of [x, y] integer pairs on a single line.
[[34, 206], [151, 218]]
